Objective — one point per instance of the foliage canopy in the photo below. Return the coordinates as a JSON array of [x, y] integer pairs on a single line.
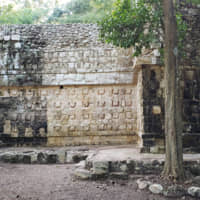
[[136, 23]]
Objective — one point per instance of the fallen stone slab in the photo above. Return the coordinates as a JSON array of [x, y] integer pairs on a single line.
[[82, 174]]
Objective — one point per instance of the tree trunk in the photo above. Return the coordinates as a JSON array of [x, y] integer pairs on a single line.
[[173, 122]]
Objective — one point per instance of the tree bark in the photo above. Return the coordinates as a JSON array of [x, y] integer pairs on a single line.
[[173, 167]]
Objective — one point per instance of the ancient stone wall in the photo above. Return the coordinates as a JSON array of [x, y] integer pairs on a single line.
[[60, 86], [191, 44], [60, 55], [153, 104], [153, 84], [93, 115]]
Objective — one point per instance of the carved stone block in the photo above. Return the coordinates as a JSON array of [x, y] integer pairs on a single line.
[[29, 132]]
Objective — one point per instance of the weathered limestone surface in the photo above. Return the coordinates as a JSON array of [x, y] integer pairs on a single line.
[[94, 114], [72, 115], [60, 85], [60, 55], [59, 82]]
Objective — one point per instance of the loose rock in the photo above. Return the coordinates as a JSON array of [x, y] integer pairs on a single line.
[[194, 191], [124, 168], [156, 188], [61, 156], [33, 158], [78, 157], [81, 164], [142, 184], [82, 174], [196, 180], [174, 191], [75, 156], [101, 167], [9, 157], [42, 158]]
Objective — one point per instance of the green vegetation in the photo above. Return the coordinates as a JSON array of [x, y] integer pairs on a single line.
[[137, 24], [43, 11], [26, 13], [81, 11], [23, 16]]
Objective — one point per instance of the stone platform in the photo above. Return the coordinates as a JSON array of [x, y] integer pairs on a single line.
[[91, 153], [98, 161]]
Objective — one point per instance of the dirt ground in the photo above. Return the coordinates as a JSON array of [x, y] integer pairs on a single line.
[[54, 182]]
